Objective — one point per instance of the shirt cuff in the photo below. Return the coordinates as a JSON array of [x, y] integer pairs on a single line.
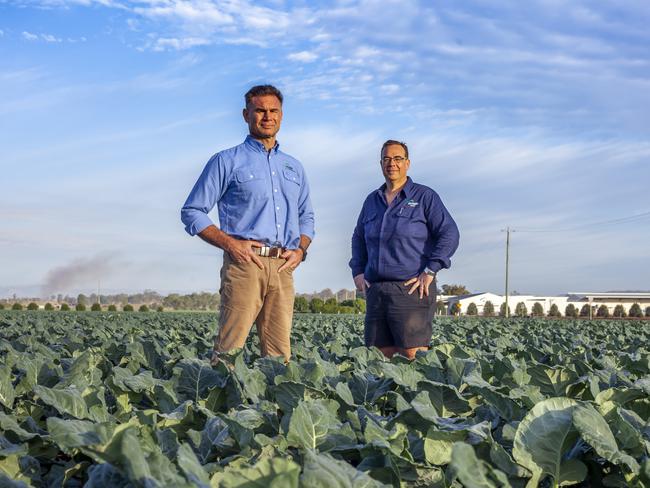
[[434, 265], [308, 231], [201, 222], [358, 271]]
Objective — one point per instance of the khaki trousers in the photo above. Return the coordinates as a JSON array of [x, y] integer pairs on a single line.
[[253, 295]]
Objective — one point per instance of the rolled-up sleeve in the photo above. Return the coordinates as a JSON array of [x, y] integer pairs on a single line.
[[305, 210], [203, 198], [359, 250], [445, 232]]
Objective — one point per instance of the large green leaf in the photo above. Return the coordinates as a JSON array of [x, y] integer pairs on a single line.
[[323, 471], [7, 393], [267, 473], [191, 467], [195, 378], [473, 472], [543, 437], [594, 430], [311, 422], [69, 434], [438, 445], [67, 401]]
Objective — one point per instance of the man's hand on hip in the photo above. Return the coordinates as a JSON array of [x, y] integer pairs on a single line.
[[361, 283], [242, 251], [422, 282], [293, 259]]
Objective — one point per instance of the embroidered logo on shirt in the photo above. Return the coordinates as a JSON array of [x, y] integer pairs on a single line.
[[288, 166], [412, 203]]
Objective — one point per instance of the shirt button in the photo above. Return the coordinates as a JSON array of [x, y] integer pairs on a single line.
[[275, 190], [272, 172], [250, 176], [278, 226], [277, 208]]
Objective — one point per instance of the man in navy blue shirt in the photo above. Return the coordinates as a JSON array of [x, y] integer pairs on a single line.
[[266, 225], [403, 237]]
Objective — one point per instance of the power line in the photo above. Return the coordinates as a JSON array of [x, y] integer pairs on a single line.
[[622, 220]]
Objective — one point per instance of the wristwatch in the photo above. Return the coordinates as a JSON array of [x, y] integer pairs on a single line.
[[429, 272], [304, 252]]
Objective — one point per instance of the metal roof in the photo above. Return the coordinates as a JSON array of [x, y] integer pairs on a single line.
[[624, 295]]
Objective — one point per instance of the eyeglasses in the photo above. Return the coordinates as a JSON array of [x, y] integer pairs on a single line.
[[397, 159]]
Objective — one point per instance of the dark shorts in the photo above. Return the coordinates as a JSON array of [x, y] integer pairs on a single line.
[[395, 318]]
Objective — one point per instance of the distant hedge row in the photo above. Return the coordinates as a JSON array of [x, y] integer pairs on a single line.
[[95, 307]]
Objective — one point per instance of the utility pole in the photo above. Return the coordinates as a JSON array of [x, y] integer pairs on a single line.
[[507, 231]]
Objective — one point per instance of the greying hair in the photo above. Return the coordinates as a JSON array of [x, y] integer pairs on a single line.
[[261, 90], [392, 142]]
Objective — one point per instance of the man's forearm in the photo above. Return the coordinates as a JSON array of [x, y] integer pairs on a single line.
[[304, 242], [215, 236]]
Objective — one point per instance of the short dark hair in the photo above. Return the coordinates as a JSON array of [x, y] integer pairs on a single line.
[[392, 142], [260, 90]]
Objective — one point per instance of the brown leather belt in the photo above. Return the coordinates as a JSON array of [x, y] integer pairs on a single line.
[[268, 251]]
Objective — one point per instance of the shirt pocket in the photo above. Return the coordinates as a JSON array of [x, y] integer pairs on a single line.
[[249, 183], [411, 223], [292, 182], [370, 227]]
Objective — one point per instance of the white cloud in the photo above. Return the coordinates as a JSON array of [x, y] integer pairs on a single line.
[[50, 38], [29, 36], [166, 43], [303, 56]]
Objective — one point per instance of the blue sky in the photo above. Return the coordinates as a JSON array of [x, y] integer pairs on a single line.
[[528, 114]]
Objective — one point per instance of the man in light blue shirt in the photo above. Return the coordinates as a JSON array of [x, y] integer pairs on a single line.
[[266, 225]]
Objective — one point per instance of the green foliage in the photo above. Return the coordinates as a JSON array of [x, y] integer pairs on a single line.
[[502, 310], [32, 306], [17, 306], [584, 311], [95, 307], [647, 312], [521, 310], [65, 307], [488, 309], [2, 306], [112, 308], [301, 305], [82, 299], [316, 305], [127, 308], [132, 400], [635, 311], [571, 311], [80, 307], [454, 290], [48, 306], [554, 311], [472, 309], [538, 310], [143, 308], [602, 311], [619, 311], [160, 309]]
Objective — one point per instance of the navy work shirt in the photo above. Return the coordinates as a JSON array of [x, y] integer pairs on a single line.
[[398, 241]]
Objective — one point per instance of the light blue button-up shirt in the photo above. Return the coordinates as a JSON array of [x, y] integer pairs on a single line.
[[260, 195]]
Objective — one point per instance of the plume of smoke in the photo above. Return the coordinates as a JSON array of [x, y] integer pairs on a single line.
[[80, 272]]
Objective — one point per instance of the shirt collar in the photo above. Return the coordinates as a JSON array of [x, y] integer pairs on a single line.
[[256, 145], [407, 189]]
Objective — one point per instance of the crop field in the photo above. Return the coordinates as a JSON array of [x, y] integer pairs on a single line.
[[100, 399]]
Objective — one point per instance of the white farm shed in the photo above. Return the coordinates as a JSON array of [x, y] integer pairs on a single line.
[[578, 299]]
